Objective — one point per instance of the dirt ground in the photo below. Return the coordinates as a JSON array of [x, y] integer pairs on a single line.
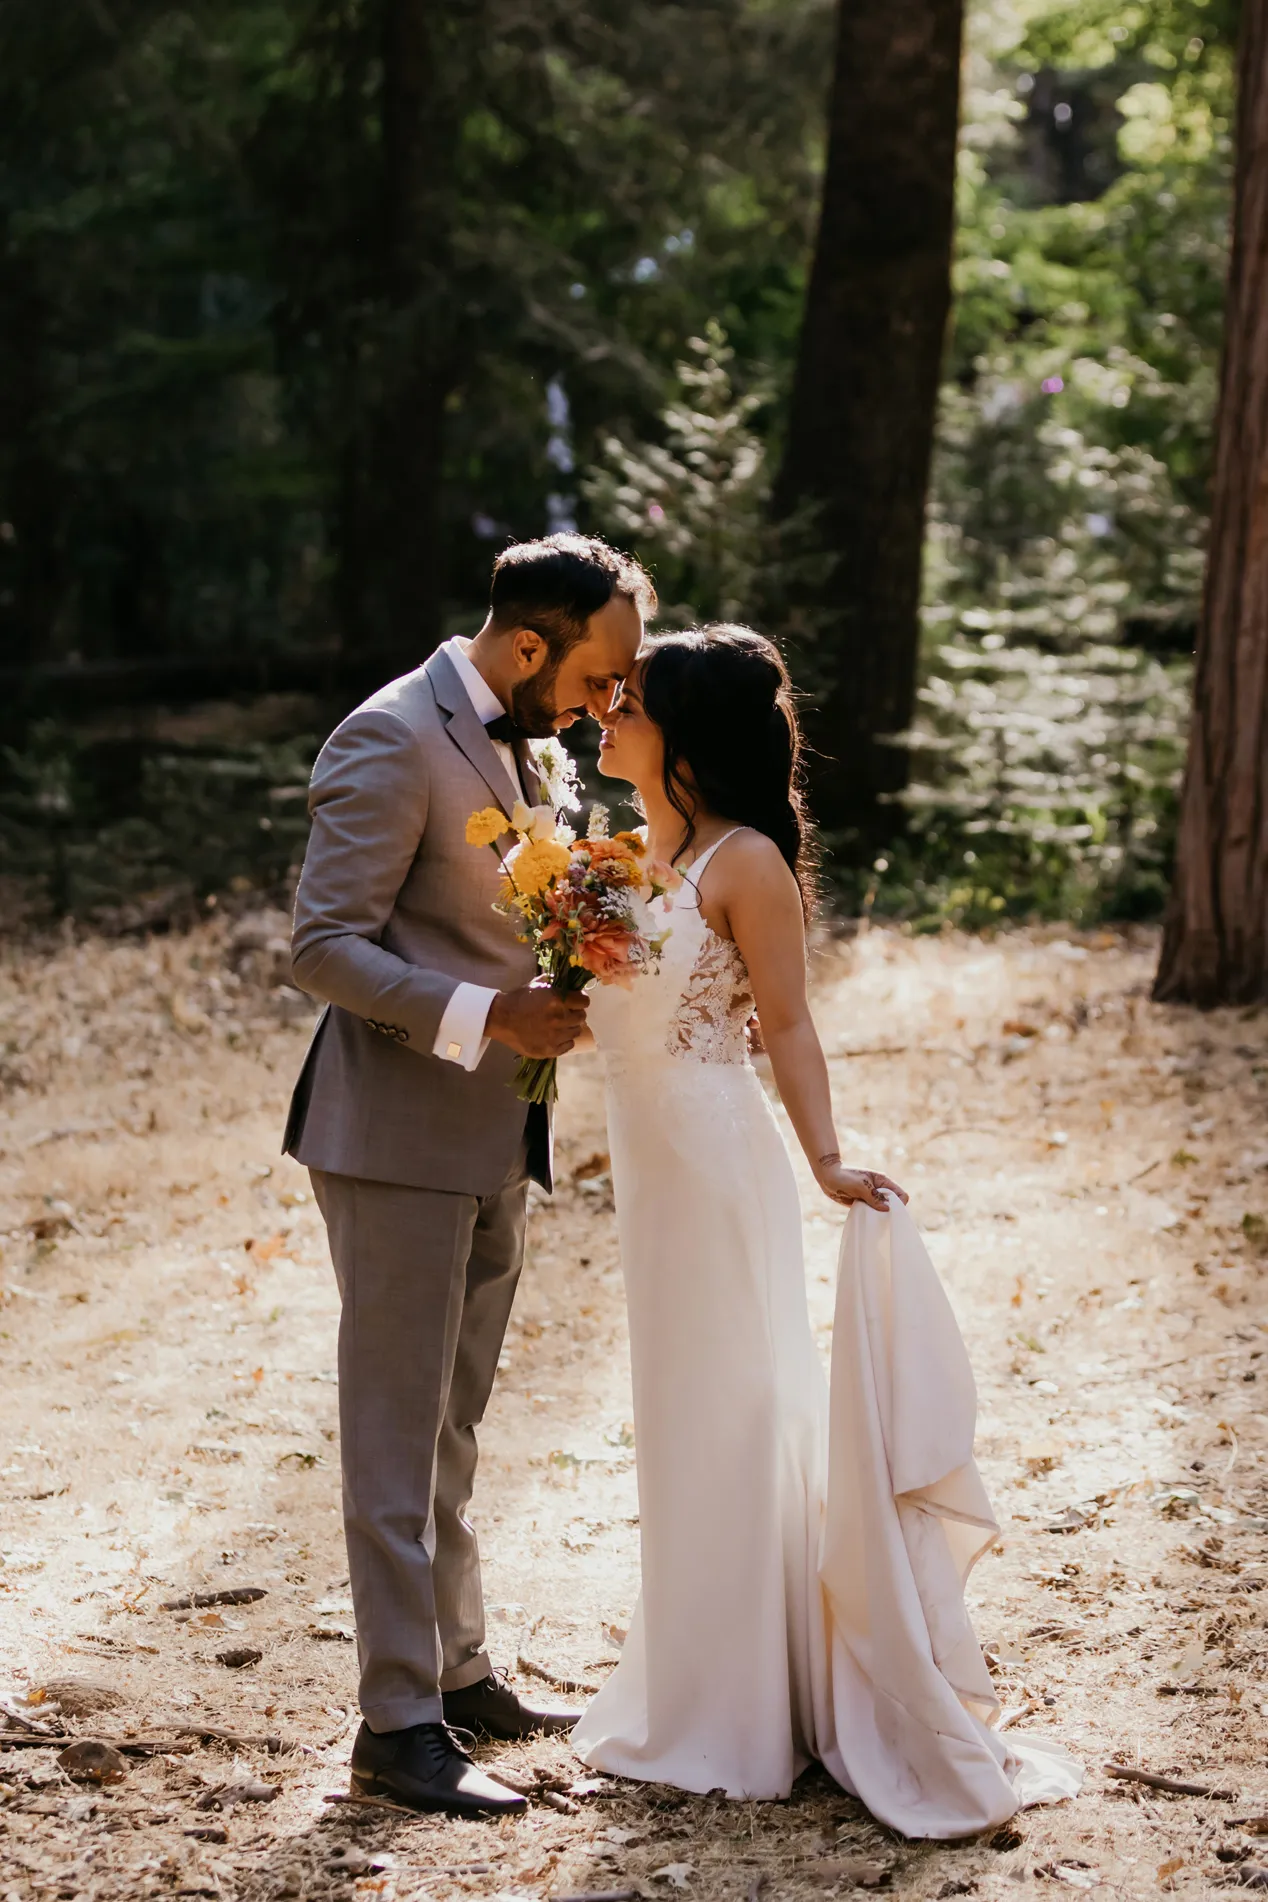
[[1092, 1174]]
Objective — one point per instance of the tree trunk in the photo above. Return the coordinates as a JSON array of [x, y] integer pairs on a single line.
[[1215, 947], [392, 583], [860, 432]]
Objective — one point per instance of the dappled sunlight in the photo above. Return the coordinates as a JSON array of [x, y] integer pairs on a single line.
[[1091, 1174]]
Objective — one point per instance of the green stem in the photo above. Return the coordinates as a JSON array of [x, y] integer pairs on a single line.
[[537, 1079]]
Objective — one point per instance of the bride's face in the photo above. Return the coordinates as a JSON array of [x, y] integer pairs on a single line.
[[631, 747]]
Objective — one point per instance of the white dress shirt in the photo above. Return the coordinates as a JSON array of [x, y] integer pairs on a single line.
[[461, 1037]]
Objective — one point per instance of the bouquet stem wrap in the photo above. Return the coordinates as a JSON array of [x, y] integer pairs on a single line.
[[537, 1078]]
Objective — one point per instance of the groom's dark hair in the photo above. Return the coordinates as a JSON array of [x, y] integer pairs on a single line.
[[556, 584]]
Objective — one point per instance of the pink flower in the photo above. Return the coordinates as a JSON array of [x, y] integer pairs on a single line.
[[605, 951]]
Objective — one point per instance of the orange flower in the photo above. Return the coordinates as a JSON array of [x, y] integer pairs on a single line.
[[614, 859]]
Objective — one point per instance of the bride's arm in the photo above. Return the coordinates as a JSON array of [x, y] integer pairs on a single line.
[[759, 898]]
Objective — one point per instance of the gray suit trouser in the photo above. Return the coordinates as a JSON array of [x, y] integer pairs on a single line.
[[426, 1280]]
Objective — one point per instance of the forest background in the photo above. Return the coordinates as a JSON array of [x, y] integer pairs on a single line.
[[212, 435]]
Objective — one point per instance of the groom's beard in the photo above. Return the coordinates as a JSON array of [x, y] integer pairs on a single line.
[[533, 703]]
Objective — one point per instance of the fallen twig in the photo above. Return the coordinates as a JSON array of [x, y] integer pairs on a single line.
[[23, 1721], [1232, 1458], [212, 1733], [599, 1895], [1174, 1786], [234, 1595], [372, 1803], [869, 1050], [555, 1801], [553, 1678]]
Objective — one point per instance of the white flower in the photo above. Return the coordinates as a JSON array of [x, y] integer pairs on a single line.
[[534, 822], [558, 774]]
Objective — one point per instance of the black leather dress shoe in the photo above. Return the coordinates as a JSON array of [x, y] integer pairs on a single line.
[[426, 1768], [491, 1708]]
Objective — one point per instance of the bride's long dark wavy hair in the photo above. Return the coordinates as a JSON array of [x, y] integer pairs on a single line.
[[725, 707]]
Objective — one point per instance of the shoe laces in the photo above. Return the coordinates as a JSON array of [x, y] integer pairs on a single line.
[[445, 1740]]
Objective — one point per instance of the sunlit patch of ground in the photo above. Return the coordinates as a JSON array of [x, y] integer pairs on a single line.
[[1092, 1173]]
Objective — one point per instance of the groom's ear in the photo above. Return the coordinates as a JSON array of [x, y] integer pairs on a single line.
[[529, 649]]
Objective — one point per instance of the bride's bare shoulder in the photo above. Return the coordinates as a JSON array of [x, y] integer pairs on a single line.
[[750, 861]]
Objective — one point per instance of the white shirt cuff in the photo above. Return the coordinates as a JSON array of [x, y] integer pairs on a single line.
[[461, 1037]]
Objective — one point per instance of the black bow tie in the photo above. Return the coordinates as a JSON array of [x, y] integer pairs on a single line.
[[506, 729]]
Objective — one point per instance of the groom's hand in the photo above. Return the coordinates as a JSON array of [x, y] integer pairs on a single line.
[[536, 1021]]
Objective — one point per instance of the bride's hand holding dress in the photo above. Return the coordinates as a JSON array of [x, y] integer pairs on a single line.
[[750, 899]]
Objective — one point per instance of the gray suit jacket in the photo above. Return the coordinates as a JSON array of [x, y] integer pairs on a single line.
[[394, 910]]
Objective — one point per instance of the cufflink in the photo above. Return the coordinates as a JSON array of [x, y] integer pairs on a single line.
[[454, 1052]]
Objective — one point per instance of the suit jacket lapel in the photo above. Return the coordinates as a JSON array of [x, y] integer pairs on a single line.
[[466, 729]]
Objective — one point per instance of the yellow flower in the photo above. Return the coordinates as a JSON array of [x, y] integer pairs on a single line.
[[533, 864], [486, 826]]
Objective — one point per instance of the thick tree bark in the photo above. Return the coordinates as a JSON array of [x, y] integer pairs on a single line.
[[1215, 947], [856, 466]]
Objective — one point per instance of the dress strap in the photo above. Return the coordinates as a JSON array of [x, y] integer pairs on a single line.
[[694, 870]]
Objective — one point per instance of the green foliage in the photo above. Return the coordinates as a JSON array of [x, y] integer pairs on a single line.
[[1045, 782], [201, 332], [694, 504], [1067, 522], [131, 838], [205, 330]]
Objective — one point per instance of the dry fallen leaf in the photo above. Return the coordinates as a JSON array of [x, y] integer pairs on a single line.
[[1169, 1867], [265, 1251], [1069, 1519], [1079, 1875], [1189, 1664], [679, 1873], [1042, 1455], [250, 1790], [859, 1870]]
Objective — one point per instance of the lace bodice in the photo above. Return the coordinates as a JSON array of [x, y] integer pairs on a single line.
[[693, 1005]]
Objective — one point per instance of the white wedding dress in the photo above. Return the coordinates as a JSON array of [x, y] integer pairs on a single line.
[[803, 1553]]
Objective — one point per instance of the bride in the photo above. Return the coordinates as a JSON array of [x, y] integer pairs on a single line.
[[803, 1553]]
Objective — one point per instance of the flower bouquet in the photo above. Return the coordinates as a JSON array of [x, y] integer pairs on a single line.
[[583, 905]]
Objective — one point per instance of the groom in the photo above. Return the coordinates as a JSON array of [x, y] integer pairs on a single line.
[[419, 1149]]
